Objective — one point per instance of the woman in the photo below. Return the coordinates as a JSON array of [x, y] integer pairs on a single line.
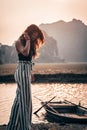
[[27, 48]]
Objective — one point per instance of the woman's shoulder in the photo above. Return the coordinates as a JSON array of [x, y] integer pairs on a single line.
[[17, 44], [17, 41]]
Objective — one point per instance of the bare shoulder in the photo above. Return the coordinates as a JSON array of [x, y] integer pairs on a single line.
[[17, 44]]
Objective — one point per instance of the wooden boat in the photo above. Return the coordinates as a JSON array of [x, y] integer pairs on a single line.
[[65, 112]]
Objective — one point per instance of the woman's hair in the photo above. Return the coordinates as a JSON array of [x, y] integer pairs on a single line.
[[36, 38]]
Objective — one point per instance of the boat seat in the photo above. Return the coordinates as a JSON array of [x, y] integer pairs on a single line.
[[63, 106]]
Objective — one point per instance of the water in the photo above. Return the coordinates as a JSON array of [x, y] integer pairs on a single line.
[[71, 92]]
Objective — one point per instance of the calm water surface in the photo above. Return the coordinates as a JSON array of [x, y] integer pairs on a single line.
[[71, 92]]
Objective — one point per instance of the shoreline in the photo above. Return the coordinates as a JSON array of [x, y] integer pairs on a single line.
[[50, 78], [53, 126]]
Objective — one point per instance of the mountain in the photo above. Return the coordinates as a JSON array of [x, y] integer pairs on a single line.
[[7, 54], [65, 42], [48, 53], [71, 39]]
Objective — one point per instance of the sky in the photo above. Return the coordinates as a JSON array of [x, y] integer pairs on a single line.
[[16, 15]]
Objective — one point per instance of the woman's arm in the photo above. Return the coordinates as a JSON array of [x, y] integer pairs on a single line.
[[23, 49]]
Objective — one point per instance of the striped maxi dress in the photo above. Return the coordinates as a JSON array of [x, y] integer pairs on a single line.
[[21, 112]]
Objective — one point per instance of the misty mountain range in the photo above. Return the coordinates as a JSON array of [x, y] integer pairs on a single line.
[[71, 39], [65, 42]]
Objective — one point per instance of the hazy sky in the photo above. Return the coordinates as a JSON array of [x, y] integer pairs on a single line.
[[16, 15]]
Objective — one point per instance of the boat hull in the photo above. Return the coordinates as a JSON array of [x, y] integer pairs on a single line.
[[65, 113]]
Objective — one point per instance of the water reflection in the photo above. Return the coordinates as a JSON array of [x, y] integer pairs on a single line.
[[71, 92]]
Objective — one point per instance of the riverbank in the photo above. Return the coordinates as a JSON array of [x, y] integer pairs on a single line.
[[54, 126], [50, 78], [48, 73]]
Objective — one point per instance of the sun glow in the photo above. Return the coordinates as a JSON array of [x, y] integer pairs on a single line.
[[17, 15]]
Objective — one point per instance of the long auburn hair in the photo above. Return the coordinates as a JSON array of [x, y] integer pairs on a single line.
[[36, 38]]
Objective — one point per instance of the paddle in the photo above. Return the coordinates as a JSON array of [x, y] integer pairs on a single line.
[[43, 105], [52, 109], [38, 98], [75, 104]]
